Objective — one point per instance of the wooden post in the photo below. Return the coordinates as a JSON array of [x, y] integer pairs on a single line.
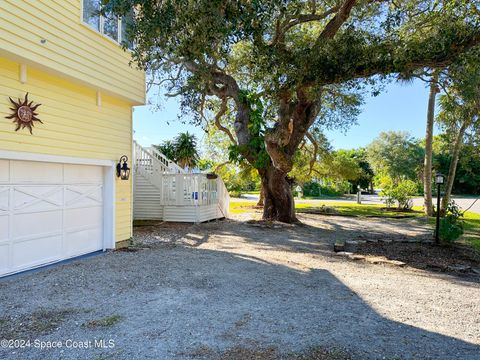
[[179, 189]]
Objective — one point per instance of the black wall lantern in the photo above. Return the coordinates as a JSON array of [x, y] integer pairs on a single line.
[[123, 171]]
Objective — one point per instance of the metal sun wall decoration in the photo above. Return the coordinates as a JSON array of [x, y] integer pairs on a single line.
[[24, 114]]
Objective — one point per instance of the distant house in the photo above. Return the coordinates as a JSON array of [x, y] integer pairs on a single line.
[[60, 196]]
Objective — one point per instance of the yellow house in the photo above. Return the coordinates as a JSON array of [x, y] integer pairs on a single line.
[[60, 196]]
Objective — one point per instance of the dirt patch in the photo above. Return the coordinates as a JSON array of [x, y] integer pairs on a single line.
[[454, 259], [270, 224], [40, 322]]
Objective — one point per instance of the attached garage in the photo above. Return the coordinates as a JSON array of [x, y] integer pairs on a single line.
[[53, 210]]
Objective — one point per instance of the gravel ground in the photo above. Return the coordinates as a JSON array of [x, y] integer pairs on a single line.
[[234, 290]]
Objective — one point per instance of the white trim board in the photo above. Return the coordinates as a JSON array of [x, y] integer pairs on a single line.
[[17, 155]]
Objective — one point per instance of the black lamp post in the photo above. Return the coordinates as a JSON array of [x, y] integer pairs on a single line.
[[123, 171], [439, 180]]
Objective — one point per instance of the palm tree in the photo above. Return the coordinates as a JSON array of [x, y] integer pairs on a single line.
[[167, 148], [427, 168], [186, 153]]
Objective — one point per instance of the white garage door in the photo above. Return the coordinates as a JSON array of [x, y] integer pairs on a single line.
[[48, 212]]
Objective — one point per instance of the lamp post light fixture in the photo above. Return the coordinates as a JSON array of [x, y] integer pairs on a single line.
[[439, 180], [123, 171]]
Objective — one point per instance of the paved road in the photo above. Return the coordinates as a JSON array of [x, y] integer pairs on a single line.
[[463, 202]]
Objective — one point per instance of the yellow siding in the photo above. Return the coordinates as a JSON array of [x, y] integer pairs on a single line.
[[72, 50], [73, 126]]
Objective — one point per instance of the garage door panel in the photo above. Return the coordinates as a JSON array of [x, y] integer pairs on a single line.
[[79, 218], [37, 198], [83, 174], [3, 227], [4, 254], [82, 196], [36, 251], [83, 242], [4, 195], [36, 172], [36, 224]]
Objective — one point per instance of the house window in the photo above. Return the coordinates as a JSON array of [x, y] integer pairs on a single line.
[[108, 25], [124, 24], [91, 14]]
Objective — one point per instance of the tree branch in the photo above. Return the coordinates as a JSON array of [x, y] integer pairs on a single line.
[[218, 116], [292, 21], [338, 20], [315, 151]]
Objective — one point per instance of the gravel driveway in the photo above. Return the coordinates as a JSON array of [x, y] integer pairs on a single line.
[[231, 290]]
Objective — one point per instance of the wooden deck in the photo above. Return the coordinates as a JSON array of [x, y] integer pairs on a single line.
[[163, 191]]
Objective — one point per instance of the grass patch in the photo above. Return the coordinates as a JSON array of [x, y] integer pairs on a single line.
[[40, 322], [104, 322], [239, 207], [472, 230], [354, 209], [340, 208]]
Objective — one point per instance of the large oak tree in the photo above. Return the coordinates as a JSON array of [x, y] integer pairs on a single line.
[[283, 67]]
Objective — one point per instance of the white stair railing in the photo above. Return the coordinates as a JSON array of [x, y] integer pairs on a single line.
[[169, 164], [148, 165]]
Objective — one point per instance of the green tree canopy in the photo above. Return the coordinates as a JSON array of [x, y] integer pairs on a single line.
[[284, 67], [397, 155]]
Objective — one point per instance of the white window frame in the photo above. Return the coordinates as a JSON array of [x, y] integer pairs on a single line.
[[102, 23]]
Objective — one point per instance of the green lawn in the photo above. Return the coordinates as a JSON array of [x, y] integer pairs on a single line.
[[472, 230], [472, 220], [340, 208]]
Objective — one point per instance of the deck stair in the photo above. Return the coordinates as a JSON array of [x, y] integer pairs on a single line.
[[165, 191]]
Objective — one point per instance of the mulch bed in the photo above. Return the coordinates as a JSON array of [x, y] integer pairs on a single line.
[[458, 259]]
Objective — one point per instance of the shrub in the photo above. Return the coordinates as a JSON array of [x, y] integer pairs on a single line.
[[311, 188], [451, 226], [404, 192], [314, 189], [401, 193]]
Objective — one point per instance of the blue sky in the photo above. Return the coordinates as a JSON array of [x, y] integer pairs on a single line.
[[399, 107]]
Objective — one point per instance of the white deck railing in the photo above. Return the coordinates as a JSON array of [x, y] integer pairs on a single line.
[[189, 189]]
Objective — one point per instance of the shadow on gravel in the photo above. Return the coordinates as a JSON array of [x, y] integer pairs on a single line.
[[176, 300], [460, 263]]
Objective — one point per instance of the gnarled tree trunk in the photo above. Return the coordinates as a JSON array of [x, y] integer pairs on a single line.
[[279, 202], [427, 168], [261, 199]]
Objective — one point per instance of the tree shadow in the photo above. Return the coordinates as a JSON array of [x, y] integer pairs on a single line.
[[317, 234]]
